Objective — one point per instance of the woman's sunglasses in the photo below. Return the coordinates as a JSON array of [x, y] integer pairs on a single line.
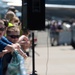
[[14, 36]]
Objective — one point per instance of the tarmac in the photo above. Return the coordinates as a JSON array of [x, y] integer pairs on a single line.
[[57, 60]]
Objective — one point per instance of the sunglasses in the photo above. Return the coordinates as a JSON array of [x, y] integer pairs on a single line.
[[2, 29], [16, 21], [14, 36]]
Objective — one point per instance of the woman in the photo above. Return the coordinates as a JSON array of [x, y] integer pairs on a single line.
[[5, 47], [13, 35]]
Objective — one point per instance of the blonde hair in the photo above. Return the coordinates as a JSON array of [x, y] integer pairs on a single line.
[[17, 22], [13, 28], [16, 19], [9, 15]]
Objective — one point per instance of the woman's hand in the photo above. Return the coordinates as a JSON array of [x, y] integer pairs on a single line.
[[16, 46], [22, 53]]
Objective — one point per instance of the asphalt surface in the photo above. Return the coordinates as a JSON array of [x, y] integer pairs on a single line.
[[58, 60]]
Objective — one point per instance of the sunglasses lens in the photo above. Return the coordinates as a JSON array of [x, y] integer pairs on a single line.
[[14, 36]]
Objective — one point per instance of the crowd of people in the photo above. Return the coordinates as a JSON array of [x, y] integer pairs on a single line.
[[57, 27], [12, 38]]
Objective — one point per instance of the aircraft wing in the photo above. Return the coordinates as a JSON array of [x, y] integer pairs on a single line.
[[59, 6]]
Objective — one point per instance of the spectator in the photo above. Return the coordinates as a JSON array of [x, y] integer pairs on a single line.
[[9, 16], [13, 9], [13, 34], [5, 45], [55, 28]]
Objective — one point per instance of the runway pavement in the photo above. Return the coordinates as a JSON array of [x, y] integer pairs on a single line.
[[55, 60], [58, 60]]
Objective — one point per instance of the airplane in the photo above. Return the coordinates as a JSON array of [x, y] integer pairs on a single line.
[[59, 6]]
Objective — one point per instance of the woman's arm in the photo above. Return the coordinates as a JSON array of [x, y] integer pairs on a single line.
[[24, 42], [22, 38], [22, 53], [12, 47]]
